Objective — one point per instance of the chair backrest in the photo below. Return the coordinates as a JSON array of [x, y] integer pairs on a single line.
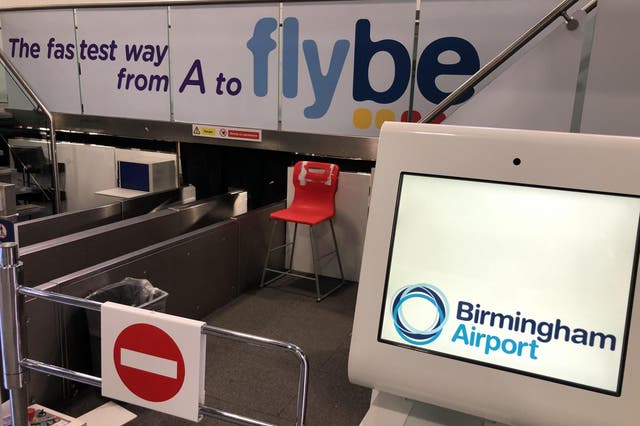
[[315, 185]]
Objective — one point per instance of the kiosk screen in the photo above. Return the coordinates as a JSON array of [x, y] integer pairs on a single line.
[[532, 280]]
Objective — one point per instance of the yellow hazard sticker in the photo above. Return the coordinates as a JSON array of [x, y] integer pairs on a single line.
[[207, 131], [202, 130]]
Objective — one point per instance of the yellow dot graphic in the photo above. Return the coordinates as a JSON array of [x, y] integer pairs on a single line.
[[362, 118], [384, 115]]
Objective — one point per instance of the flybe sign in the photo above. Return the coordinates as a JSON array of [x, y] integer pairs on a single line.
[[324, 67]]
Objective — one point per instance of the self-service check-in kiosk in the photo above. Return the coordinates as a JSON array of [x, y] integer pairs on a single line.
[[499, 279]]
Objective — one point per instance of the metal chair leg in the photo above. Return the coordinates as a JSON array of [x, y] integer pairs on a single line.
[[293, 245], [266, 259], [315, 263], [335, 244], [314, 256]]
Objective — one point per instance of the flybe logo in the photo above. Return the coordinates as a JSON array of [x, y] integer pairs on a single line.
[[364, 48]]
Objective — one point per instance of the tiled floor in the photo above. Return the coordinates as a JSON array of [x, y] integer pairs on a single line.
[[261, 383]]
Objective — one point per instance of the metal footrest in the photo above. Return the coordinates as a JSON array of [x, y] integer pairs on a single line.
[[290, 272]]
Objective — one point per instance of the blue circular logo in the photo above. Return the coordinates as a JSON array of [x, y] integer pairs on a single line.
[[429, 294]]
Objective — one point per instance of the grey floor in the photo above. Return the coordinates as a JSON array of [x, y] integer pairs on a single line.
[[262, 383]]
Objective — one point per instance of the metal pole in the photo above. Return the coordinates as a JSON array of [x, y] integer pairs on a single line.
[[10, 327], [500, 59], [65, 373], [53, 152]]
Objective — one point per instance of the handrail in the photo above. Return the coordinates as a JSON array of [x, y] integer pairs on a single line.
[[53, 152], [77, 302], [11, 262], [590, 6], [559, 11], [303, 379]]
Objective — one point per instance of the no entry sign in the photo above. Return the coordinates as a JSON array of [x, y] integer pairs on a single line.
[[149, 362], [152, 359]]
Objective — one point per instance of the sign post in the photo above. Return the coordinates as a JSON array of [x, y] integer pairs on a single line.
[[153, 360]]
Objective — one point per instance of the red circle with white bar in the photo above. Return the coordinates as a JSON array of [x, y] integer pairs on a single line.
[[149, 362]]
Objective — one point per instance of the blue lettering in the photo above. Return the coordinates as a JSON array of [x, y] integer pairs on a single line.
[[147, 52], [234, 81], [601, 338], [364, 50], [290, 36], [220, 79], [492, 344], [534, 346], [60, 50], [196, 67], [465, 311], [461, 333], [514, 346], [133, 52], [25, 50], [324, 86], [260, 45], [429, 67]]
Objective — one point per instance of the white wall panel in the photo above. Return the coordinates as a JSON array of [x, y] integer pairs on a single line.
[[36, 36], [69, 3], [88, 168], [350, 222], [612, 99], [216, 78], [457, 37], [535, 92], [124, 56]]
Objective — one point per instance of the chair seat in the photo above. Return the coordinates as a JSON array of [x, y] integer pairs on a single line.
[[300, 214]]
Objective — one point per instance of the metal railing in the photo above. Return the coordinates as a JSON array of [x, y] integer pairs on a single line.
[[14, 364], [40, 107], [559, 11]]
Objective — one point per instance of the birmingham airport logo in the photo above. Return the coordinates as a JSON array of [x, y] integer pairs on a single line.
[[430, 300]]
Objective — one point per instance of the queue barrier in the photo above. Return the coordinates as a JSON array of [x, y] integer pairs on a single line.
[[13, 363]]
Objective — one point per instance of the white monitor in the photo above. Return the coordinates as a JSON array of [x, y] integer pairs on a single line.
[[499, 274]]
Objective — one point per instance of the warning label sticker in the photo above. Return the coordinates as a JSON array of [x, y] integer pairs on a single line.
[[207, 131]]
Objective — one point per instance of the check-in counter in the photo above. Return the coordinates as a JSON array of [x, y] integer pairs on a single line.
[[47, 228], [60, 256]]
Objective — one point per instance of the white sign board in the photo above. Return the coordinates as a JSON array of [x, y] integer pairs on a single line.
[[125, 72], [339, 68], [152, 359]]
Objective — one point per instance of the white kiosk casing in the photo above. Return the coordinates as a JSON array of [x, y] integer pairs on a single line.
[[598, 170]]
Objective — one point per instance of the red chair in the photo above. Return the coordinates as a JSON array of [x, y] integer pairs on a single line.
[[313, 202]]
